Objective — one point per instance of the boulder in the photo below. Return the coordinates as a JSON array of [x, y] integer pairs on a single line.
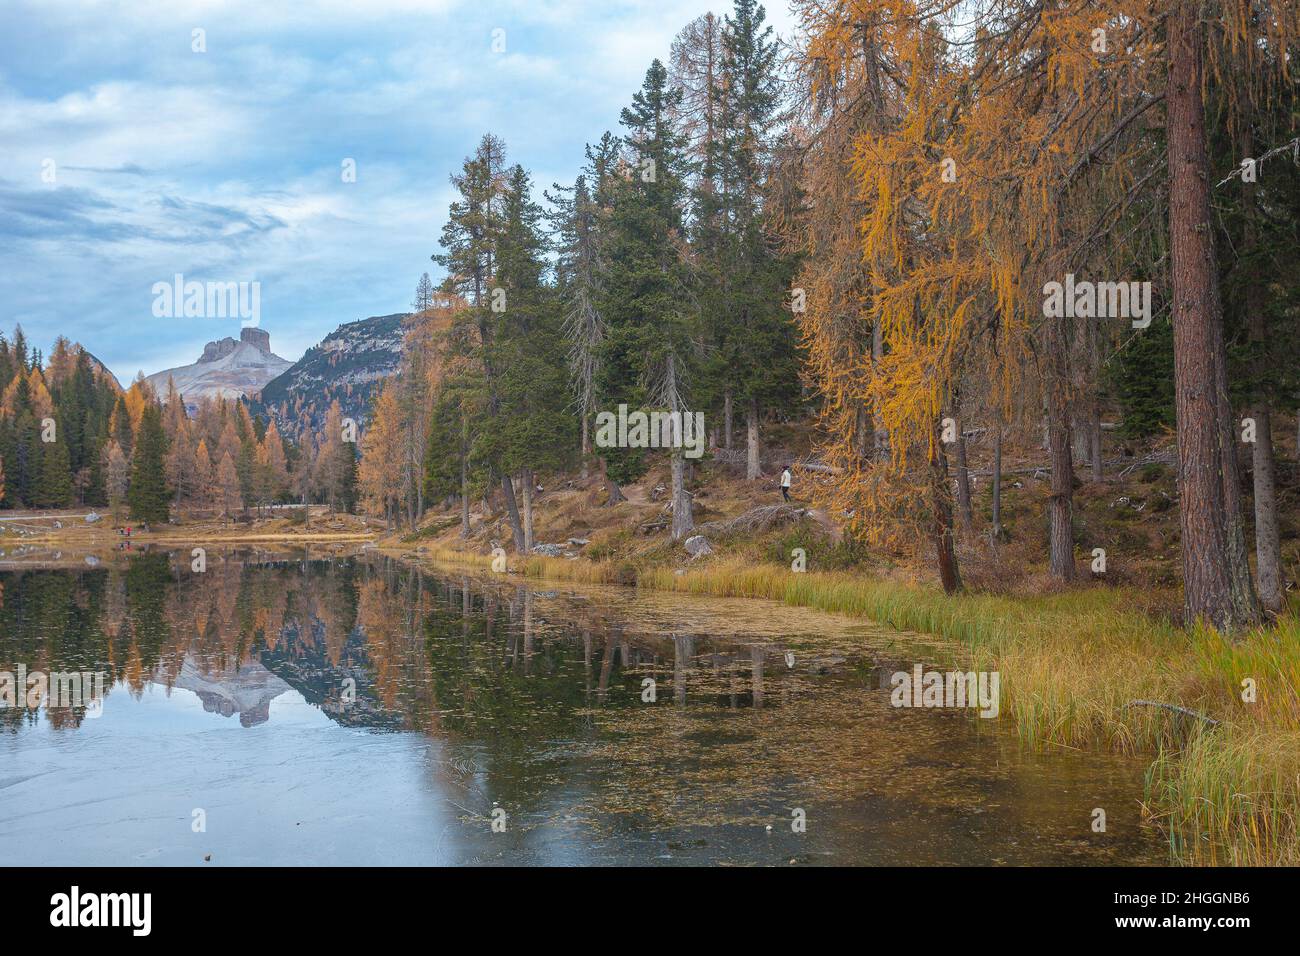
[[550, 550], [698, 545]]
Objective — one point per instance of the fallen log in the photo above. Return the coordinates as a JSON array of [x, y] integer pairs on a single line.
[[1174, 707]]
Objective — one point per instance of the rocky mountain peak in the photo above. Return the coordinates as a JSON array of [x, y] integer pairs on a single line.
[[228, 368], [258, 338]]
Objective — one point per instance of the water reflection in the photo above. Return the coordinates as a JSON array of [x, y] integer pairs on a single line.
[[381, 711]]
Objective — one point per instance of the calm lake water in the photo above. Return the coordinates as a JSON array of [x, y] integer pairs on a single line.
[[287, 709]]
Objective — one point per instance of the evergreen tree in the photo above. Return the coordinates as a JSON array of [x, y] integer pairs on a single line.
[[147, 495], [647, 300]]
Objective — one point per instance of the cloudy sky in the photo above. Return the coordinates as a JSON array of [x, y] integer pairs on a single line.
[[126, 157]]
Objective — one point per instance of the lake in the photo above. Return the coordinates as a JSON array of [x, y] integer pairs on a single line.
[[289, 708]]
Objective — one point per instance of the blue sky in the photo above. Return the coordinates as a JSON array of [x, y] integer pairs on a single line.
[[225, 165]]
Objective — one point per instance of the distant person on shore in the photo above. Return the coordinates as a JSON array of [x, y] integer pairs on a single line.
[[785, 483]]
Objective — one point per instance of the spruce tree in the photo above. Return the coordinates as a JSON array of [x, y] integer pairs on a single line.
[[147, 495]]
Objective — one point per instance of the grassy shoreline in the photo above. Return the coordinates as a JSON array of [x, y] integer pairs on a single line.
[[1072, 664]]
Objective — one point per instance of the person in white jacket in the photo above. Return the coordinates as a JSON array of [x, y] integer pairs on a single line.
[[785, 483]]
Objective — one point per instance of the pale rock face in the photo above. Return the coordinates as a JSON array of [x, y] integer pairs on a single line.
[[228, 368]]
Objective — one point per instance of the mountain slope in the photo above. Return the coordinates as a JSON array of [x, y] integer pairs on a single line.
[[346, 365]]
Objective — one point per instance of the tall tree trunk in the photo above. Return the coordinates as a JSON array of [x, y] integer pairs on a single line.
[[942, 529], [1245, 600], [963, 483], [1208, 581], [1060, 503], [464, 478], [586, 443], [1079, 437], [726, 419], [751, 440], [1094, 443], [997, 481], [615, 493], [1268, 549], [512, 511], [862, 431], [877, 357], [683, 519], [1094, 403], [527, 478]]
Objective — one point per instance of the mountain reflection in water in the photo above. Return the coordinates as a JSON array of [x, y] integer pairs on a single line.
[[384, 711]]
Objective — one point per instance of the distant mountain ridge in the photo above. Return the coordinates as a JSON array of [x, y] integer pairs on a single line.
[[228, 368], [345, 366]]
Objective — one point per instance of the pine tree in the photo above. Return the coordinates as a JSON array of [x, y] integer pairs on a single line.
[[54, 483], [647, 299], [148, 495]]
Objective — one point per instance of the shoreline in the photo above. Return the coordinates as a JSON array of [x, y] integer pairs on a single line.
[[1072, 664]]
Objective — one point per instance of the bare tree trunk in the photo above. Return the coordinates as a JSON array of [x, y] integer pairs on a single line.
[[941, 501], [1094, 404], [683, 519], [527, 478], [1208, 580], [751, 441], [586, 443], [615, 493], [1245, 600], [1268, 549], [1061, 501], [1079, 437], [877, 356], [1060, 504], [861, 432], [963, 483], [997, 482], [726, 419], [1094, 443], [464, 479], [512, 511]]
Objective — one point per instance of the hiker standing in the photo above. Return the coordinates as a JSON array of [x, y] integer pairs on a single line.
[[785, 483]]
